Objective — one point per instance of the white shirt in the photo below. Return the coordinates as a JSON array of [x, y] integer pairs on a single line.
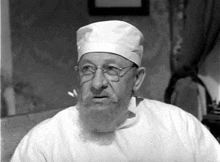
[[157, 132]]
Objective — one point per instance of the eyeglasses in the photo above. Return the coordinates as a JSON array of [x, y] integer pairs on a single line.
[[111, 73]]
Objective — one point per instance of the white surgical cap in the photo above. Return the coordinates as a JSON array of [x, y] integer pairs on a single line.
[[114, 36]]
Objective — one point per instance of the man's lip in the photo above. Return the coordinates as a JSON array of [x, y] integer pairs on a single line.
[[99, 97]]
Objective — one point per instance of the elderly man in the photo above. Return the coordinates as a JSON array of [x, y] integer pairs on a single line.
[[110, 124]]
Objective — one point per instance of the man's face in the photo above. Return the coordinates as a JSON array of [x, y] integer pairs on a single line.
[[104, 99]]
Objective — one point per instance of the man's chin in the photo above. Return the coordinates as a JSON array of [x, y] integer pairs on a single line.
[[98, 117], [98, 106]]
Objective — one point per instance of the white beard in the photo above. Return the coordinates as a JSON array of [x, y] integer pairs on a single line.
[[102, 117]]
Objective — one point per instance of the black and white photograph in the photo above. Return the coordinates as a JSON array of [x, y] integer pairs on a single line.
[[110, 81]]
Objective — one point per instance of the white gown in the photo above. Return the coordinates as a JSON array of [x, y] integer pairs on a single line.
[[157, 132]]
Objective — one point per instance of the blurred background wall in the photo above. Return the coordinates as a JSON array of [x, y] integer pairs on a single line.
[[44, 52]]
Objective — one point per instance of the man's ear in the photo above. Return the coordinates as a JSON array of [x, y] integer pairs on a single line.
[[139, 78]]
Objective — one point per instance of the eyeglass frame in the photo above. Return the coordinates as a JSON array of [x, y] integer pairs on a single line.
[[104, 71]]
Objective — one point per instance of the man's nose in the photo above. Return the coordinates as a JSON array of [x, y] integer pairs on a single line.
[[99, 81]]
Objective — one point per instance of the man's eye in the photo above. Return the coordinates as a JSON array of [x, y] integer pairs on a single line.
[[87, 69], [112, 70]]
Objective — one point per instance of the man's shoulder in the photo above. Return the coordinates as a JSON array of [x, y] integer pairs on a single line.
[[59, 121], [50, 133], [163, 115], [158, 105], [163, 110]]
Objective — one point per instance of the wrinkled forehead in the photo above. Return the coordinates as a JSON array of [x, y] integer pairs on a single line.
[[100, 58]]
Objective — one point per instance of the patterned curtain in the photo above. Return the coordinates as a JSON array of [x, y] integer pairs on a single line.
[[194, 30]]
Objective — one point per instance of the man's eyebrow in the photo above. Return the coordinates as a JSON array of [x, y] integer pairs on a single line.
[[108, 61], [86, 61], [115, 61]]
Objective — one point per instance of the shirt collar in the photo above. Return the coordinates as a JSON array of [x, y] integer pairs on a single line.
[[132, 115]]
